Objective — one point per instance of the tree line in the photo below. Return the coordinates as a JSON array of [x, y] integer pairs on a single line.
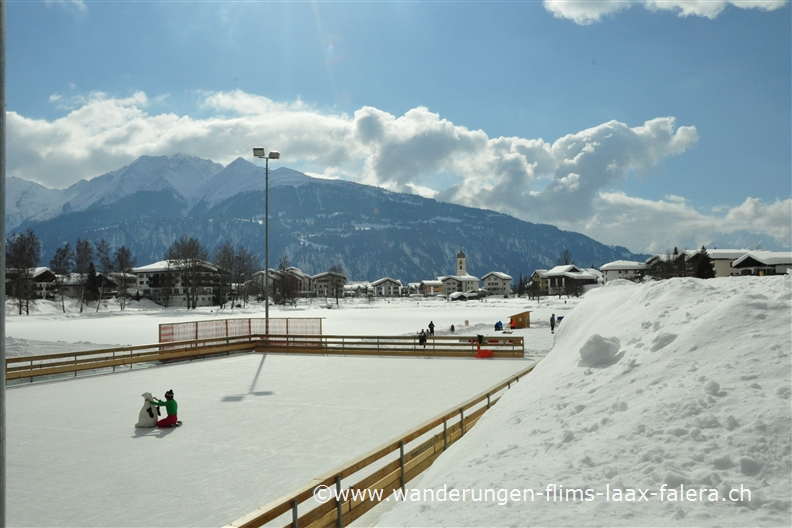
[[23, 256]]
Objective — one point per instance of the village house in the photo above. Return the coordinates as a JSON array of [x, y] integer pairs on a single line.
[[764, 263], [497, 283], [461, 282], [329, 284], [41, 280], [569, 279], [540, 282], [387, 287], [168, 283], [622, 269], [430, 288]]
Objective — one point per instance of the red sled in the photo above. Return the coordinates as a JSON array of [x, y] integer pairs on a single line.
[[484, 354]]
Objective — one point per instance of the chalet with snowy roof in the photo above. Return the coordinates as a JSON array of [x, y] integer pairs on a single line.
[[539, 279], [722, 260], [170, 283], [568, 279], [497, 283], [622, 269], [764, 263], [683, 263], [358, 289], [430, 288], [41, 280], [387, 287], [329, 284]]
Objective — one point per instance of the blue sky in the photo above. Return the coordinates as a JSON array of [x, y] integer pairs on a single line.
[[645, 124]]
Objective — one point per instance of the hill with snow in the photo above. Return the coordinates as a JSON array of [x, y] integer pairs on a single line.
[[318, 223], [656, 401]]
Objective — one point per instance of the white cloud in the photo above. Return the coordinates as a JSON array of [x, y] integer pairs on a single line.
[[79, 4], [586, 12], [565, 182]]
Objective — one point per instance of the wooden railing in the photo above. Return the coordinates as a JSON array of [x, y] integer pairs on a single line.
[[23, 367], [436, 346], [376, 474], [111, 358]]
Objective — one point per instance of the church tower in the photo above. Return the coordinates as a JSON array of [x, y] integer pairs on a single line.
[[461, 268]]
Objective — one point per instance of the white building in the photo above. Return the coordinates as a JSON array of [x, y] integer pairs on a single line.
[[764, 263], [622, 269], [497, 283], [168, 284]]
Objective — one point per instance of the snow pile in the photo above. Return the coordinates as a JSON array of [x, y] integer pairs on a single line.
[[656, 402]]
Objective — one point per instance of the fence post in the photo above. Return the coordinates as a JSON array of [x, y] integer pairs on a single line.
[[339, 511], [445, 433], [401, 463], [488, 400], [462, 421], [295, 519]]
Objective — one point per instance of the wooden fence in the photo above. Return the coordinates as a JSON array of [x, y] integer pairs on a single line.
[[375, 474], [110, 359]]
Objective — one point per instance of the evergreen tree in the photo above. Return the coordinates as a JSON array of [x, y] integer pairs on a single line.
[[705, 269]]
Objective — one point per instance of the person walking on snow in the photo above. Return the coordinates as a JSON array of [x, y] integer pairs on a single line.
[[422, 338], [170, 406], [431, 328], [552, 324]]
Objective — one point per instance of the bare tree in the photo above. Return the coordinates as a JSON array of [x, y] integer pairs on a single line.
[[188, 254], [62, 264], [225, 258], [23, 254], [289, 284], [105, 265], [245, 265], [123, 262], [565, 258], [83, 261]]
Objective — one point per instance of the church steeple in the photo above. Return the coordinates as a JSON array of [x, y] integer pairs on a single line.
[[461, 268]]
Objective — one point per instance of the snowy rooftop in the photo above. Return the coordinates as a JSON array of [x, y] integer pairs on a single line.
[[623, 265]]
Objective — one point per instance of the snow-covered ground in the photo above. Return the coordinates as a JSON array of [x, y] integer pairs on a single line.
[[255, 426], [656, 402]]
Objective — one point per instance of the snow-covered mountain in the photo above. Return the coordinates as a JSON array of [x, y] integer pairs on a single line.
[[183, 176], [317, 223], [745, 240]]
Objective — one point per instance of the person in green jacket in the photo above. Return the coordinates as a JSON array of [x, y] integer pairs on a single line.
[[172, 420]]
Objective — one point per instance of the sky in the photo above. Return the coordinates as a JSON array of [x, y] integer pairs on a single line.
[[645, 124]]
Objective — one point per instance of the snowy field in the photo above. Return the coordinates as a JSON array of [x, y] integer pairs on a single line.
[[255, 426], [654, 402], [651, 394]]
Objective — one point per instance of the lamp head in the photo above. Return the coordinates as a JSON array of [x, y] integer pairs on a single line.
[[259, 152]]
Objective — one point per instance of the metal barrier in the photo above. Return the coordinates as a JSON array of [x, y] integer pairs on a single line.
[[380, 471]]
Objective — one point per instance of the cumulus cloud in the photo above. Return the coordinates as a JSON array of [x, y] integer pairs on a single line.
[[568, 182], [585, 12]]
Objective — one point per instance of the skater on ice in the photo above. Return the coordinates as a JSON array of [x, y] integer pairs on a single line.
[[171, 407], [552, 324]]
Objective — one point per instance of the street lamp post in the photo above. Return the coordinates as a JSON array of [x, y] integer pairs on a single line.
[[274, 154]]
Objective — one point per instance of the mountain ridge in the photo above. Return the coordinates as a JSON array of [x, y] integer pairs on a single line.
[[315, 222]]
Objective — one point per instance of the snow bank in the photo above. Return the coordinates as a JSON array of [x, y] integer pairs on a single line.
[[660, 388]]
